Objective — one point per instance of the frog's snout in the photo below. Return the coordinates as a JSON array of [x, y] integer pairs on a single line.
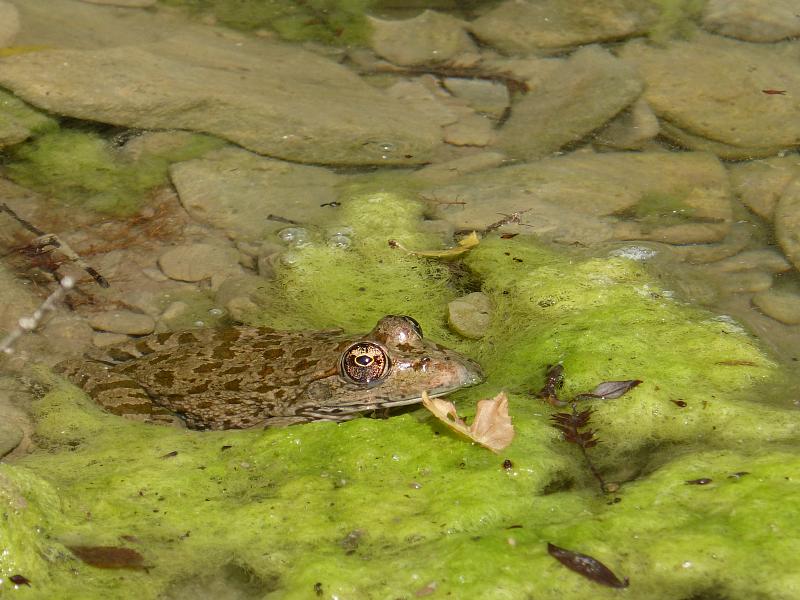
[[472, 373]]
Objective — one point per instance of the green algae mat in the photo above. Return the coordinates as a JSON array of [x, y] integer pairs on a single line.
[[703, 451]]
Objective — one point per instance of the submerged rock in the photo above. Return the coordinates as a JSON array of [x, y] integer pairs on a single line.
[[760, 183], [123, 321], [709, 93], [519, 27], [675, 198], [753, 20], [269, 97], [430, 37], [238, 191], [592, 87], [787, 222], [781, 305]]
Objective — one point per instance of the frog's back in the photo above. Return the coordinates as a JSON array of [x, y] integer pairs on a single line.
[[212, 378]]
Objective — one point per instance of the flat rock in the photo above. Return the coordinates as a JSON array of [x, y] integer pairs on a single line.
[[760, 183], [444, 172], [471, 130], [9, 23], [764, 259], [708, 93], [195, 262], [631, 129], [787, 222], [489, 97], [269, 97], [237, 191], [592, 87], [781, 305], [519, 27], [429, 37], [122, 321], [753, 20], [675, 198]]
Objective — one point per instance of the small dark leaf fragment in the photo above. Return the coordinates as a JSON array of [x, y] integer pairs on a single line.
[[226, 447], [507, 464], [508, 236], [318, 588], [585, 565], [610, 390], [109, 557], [20, 580], [701, 481], [170, 454], [679, 403], [738, 474], [554, 379]]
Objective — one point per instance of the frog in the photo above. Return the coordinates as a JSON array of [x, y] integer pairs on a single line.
[[242, 377]]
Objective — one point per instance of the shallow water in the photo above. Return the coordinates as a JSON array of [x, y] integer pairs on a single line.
[[632, 171]]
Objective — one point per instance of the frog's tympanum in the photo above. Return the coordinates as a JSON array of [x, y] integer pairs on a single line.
[[254, 376]]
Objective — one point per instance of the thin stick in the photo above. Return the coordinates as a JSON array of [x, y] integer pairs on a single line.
[[28, 324]]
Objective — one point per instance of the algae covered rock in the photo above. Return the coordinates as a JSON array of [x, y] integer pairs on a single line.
[[370, 507], [29, 505]]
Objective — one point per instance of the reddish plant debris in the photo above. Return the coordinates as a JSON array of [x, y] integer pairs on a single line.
[[772, 92], [588, 566], [20, 580], [109, 557], [679, 403]]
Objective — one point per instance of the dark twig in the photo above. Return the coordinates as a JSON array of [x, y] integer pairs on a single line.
[[48, 242], [515, 217]]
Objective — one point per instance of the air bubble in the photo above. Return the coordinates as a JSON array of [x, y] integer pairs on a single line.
[[293, 236], [290, 259], [339, 241]]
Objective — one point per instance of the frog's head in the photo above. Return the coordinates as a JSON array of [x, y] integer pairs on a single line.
[[392, 365]]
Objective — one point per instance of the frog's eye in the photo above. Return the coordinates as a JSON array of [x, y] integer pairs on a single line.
[[364, 363]]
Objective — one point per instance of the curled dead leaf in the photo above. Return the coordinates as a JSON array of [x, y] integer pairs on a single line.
[[464, 244], [491, 427]]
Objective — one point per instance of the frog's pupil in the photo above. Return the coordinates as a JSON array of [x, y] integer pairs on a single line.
[[363, 360]]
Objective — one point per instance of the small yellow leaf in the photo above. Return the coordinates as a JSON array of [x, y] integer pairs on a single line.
[[464, 244], [491, 427]]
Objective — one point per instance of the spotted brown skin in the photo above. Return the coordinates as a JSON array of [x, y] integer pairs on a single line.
[[243, 377]]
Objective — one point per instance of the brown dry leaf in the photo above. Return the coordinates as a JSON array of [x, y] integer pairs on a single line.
[[464, 244], [491, 427]]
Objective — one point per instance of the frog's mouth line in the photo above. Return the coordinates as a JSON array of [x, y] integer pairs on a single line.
[[334, 413]]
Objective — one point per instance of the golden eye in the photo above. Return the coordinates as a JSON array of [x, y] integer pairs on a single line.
[[364, 363]]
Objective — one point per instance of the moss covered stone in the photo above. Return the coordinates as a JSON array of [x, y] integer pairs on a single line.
[[337, 22], [83, 168], [389, 508]]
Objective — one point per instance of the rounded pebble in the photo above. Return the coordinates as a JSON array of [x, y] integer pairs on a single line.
[[195, 262], [781, 305], [470, 315], [123, 321], [104, 339], [747, 281]]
